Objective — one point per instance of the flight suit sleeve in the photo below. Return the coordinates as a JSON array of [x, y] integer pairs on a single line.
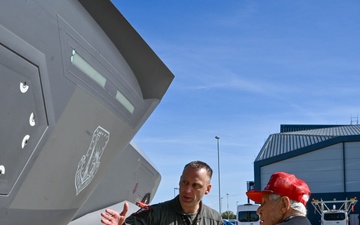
[[142, 217]]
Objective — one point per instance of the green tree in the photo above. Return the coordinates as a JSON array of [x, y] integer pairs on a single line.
[[228, 215]]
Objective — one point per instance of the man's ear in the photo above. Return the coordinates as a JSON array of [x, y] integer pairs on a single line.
[[285, 204], [208, 188]]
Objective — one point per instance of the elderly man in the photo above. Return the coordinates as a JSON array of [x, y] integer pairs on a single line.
[[283, 200]]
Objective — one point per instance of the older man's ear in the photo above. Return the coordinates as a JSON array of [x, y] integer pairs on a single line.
[[285, 204]]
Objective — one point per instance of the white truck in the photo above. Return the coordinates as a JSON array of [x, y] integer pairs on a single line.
[[333, 215], [246, 214]]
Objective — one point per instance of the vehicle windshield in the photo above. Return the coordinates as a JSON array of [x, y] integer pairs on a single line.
[[334, 216], [248, 216]]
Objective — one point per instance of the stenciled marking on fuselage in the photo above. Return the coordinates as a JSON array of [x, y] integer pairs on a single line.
[[90, 162]]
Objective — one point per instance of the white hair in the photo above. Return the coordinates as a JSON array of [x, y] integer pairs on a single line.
[[295, 205]]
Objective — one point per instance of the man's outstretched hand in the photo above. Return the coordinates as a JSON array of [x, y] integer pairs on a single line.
[[111, 217]]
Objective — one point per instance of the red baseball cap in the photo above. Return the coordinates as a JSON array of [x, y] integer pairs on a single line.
[[283, 184]]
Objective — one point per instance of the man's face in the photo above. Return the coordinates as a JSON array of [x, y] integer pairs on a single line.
[[270, 211], [194, 184]]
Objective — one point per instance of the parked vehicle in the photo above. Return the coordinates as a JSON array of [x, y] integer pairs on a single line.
[[232, 221], [229, 222], [246, 215], [334, 216]]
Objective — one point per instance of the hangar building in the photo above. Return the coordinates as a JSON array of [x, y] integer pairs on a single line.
[[326, 157]]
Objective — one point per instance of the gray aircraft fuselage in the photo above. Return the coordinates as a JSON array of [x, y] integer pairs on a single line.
[[76, 84]]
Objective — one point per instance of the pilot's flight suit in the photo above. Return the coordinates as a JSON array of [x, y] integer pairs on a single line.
[[171, 213]]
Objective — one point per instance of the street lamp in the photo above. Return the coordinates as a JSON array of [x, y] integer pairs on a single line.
[[218, 151], [175, 191], [227, 202], [221, 199], [237, 203]]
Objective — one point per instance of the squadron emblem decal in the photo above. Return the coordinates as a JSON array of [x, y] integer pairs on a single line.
[[90, 162]]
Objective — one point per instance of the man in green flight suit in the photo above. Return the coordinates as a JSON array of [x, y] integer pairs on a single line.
[[185, 209]]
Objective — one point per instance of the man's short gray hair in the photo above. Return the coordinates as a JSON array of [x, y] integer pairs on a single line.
[[295, 205]]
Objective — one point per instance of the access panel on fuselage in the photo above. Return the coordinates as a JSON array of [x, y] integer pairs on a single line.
[[22, 115]]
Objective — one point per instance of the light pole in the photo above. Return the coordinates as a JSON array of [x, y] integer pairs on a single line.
[[237, 203], [221, 199], [218, 151], [227, 202], [175, 192]]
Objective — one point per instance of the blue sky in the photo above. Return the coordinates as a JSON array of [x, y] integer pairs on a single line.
[[242, 68]]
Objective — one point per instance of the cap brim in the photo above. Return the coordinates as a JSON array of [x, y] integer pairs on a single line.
[[256, 196]]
